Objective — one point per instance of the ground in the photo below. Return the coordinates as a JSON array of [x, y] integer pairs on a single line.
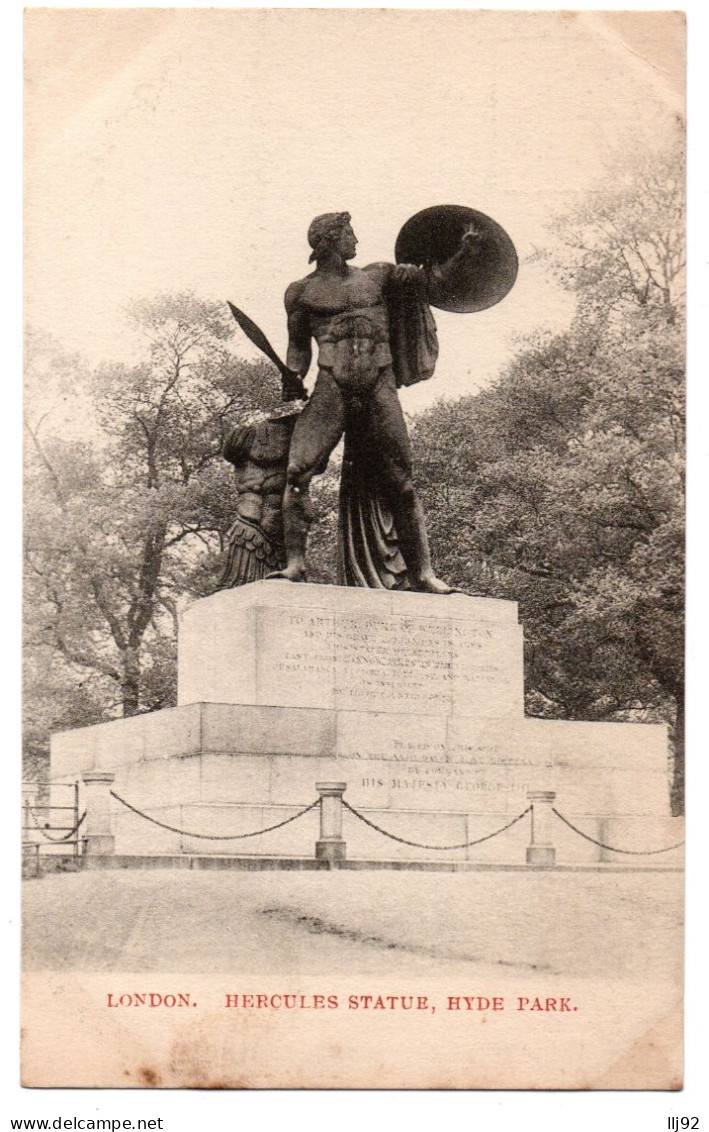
[[622, 925]]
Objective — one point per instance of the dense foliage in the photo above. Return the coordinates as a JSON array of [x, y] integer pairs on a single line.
[[126, 510], [563, 486]]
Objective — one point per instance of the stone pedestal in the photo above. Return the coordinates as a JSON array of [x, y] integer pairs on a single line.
[[342, 649], [415, 701]]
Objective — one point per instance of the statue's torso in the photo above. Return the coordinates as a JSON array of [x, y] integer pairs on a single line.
[[259, 454], [348, 318], [360, 289]]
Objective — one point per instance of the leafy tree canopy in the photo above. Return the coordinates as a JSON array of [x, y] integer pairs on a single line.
[[126, 512], [562, 486]]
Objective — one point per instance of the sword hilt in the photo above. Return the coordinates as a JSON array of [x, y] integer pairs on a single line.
[[292, 387]]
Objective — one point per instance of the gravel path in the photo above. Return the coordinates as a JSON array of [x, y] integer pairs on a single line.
[[574, 923]]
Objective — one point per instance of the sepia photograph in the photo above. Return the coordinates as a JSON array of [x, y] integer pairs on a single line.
[[354, 549]]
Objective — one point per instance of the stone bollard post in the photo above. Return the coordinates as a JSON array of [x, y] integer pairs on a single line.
[[100, 842], [330, 846], [540, 850]]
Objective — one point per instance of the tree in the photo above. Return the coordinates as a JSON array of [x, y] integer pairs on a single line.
[[563, 486], [624, 247], [117, 521]]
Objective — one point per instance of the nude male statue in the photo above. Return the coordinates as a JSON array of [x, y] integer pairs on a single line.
[[348, 311]]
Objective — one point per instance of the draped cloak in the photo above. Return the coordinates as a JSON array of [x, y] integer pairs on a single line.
[[368, 551]]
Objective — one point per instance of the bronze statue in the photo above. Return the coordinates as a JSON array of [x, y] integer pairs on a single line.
[[259, 453], [375, 332]]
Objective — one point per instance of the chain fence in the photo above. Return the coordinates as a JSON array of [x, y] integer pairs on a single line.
[[73, 832], [613, 848], [56, 840], [214, 836], [423, 845]]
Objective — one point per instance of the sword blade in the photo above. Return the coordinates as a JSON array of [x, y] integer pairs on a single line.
[[256, 335]]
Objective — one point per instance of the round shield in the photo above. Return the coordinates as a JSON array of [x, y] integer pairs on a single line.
[[465, 275]]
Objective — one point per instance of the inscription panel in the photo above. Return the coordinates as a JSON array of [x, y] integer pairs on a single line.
[[393, 664], [409, 665], [295, 652]]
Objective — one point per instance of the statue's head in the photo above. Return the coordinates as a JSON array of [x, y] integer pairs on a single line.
[[332, 232]]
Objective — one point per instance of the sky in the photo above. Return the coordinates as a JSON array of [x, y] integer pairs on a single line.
[[174, 150]]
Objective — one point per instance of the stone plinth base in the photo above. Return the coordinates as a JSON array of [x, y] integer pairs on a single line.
[[414, 701], [226, 753], [331, 647]]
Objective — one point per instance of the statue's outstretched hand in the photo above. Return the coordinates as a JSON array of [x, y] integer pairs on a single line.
[[406, 273], [471, 238]]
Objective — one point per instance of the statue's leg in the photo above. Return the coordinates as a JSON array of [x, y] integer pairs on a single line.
[[393, 457], [316, 432]]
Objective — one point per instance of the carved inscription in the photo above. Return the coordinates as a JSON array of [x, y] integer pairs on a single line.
[[444, 786], [399, 664], [300, 661], [440, 778], [406, 662]]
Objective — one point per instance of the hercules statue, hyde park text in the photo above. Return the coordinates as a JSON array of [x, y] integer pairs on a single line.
[[375, 332]]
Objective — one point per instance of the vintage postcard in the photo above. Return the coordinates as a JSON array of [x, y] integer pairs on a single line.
[[354, 527]]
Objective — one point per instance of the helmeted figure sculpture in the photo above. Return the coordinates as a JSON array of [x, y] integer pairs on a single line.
[[375, 332], [259, 453]]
